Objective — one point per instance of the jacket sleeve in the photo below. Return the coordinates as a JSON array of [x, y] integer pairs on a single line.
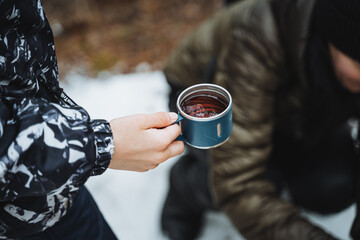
[[46, 147], [250, 58]]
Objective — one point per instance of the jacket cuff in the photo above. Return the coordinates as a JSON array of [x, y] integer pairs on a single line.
[[104, 145]]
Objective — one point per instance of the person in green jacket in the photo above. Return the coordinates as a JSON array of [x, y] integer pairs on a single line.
[[293, 69]]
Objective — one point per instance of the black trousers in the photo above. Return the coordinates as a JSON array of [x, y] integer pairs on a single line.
[[83, 221]]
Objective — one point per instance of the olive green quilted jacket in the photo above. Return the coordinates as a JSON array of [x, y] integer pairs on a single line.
[[254, 41]]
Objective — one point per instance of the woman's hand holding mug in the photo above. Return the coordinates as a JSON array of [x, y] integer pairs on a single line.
[[144, 141]]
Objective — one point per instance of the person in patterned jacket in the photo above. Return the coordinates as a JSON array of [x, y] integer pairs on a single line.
[[49, 146]]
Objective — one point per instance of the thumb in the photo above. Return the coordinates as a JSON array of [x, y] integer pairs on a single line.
[[160, 119]]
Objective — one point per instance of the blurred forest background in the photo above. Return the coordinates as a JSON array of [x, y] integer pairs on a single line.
[[121, 36]]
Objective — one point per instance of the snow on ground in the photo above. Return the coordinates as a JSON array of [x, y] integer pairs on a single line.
[[131, 202]]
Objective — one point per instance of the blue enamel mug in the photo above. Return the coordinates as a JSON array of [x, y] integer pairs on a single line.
[[205, 115]]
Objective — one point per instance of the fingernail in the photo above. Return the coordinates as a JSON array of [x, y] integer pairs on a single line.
[[173, 116]]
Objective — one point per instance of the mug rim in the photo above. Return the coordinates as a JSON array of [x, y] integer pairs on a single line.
[[215, 86]]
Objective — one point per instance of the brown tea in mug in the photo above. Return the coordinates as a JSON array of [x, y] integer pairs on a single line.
[[203, 105]]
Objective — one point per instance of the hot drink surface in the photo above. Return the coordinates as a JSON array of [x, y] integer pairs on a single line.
[[203, 106]]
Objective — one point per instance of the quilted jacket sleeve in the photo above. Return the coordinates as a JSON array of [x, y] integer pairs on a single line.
[[250, 59]]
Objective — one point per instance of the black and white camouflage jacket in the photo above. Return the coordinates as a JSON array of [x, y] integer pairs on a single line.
[[49, 146]]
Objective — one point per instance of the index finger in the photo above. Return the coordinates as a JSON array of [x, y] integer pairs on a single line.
[[158, 120]]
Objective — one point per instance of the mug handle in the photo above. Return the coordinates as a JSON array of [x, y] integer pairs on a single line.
[[180, 137]]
